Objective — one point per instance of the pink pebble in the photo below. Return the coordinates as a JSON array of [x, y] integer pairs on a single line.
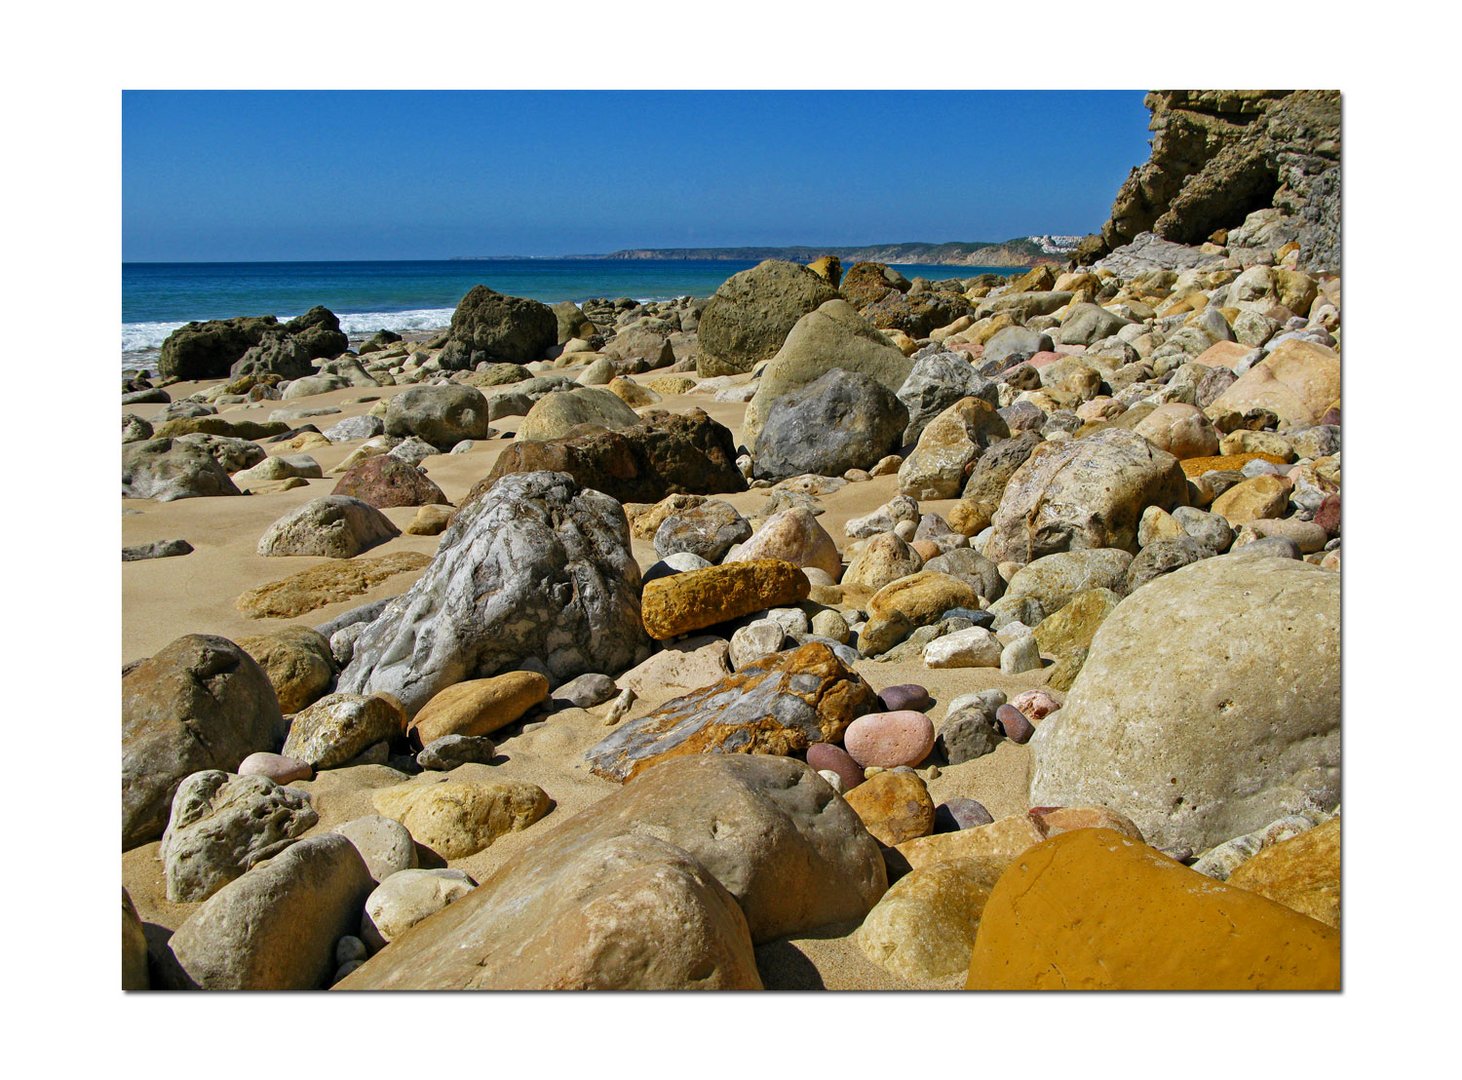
[[280, 769], [1036, 704], [890, 739], [821, 755]]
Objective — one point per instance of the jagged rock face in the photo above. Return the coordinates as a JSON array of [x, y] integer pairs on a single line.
[[1218, 155]]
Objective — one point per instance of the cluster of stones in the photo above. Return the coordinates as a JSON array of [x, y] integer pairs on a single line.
[[1139, 477]]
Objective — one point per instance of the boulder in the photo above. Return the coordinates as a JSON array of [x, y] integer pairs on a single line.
[[297, 661], [340, 727], [276, 927], [1182, 430], [1073, 625], [387, 481], [1054, 579], [405, 898], [1086, 324], [793, 536], [1298, 382], [690, 601], [709, 530], [833, 336], [1209, 705], [554, 416], [622, 912], [858, 421], [534, 567], [780, 705], [200, 703], [924, 927], [884, 559], [1083, 493], [479, 706], [488, 326], [333, 526], [456, 818], [935, 383], [1154, 925], [384, 843], [166, 469], [937, 467], [134, 948], [222, 825], [440, 415], [666, 454], [750, 315], [894, 805], [206, 350], [1302, 873]]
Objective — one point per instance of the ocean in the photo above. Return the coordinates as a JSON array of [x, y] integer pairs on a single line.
[[157, 298]]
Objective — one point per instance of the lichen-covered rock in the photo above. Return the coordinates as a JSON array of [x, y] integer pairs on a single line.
[[457, 818], [333, 526], [222, 825], [298, 662], [696, 599], [1153, 925], [1073, 625], [750, 315], [206, 350], [340, 727], [166, 469], [201, 703], [1083, 493], [275, 928], [856, 418], [440, 415], [778, 705], [1054, 579], [488, 326], [535, 567], [1209, 704]]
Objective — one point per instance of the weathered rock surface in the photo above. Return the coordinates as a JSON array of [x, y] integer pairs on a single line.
[[778, 705], [479, 706], [894, 806], [925, 925], [333, 526], [328, 584], [457, 818], [298, 662], [201, 703], [222, 825], [488, 326], [340, 727], [709, 530], [699, 598], [440, 415], [1302, 873], [1298, 382], [276, 927], [793, 536], [554, 416], [1209, 704], [1154, 925], [842, 420], [937, 468], [535, 567], [749, 317], [387, 481], [405, 898], [166, 469]]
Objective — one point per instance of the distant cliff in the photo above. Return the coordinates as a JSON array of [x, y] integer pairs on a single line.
[[1020, 252], [1219, 156]]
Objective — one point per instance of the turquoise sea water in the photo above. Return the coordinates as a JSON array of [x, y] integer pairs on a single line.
[[157, 298]]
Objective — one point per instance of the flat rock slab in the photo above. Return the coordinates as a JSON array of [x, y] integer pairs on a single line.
[[322, 585], [778, 705]]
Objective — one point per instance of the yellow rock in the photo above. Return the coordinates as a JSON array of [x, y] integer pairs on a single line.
[[970, 516], [924, 927], [829, 268], [458, 819], [1094, 910], [479, 706], [894, 807], [1302, 873], [1222, 463], [699, 598], [670, 384], [923, 596], [993, 847], [1258, 497], [327, 584]]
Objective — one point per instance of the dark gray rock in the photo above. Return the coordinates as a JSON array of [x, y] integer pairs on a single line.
[[708, 530], [936, 382], [844, 420], [446, 753], [1163, 557], [968, 734], [1014, 345], [166, 469], [535, 567], [751, 314], [440, 415], [488, 326], [158, 549]]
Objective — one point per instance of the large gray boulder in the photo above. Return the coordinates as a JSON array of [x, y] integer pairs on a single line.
[[277, 354], [535, 567], [936, 382], [844, 420], [1083, 493], [1209, 704], [833, 336], [748, 318], [222, 825], [1086, 324], [276, 927], [440, 415], [488, 326], [166, 469], [200, 703], [1014, 345], [334, 526]]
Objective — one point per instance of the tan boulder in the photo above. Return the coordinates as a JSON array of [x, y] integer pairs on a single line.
[[884, 559], [678, 604], [1223, 354], [1258, 497], [937, 466], [479, 706], [456, 819], [298, 662], [1297, 382], [1150, 924], [923, 596], [1302, 873], [895, 806], [924, 927], [1073, 625], [1182, 430], [793, 536]]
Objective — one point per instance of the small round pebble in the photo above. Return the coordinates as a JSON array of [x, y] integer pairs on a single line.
[[825, 757], [960, 813], [888, 739], [280, 769], [1014, 723], [350, 948], [905, 696], [1036, 704]]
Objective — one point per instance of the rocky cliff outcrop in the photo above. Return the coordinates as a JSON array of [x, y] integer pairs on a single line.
[[1222, 156]]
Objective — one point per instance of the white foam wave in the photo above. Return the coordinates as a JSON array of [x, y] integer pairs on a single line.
[[140, 336]]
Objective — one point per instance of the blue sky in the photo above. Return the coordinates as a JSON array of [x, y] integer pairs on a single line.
[[261, 175]]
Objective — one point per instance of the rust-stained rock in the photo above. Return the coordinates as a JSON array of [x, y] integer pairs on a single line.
[[1146, 923], [1197, 466], [777, 705], [1302, 873], [675, 605], [895, 806], [327, 584], [387, 481], [479, 706]]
